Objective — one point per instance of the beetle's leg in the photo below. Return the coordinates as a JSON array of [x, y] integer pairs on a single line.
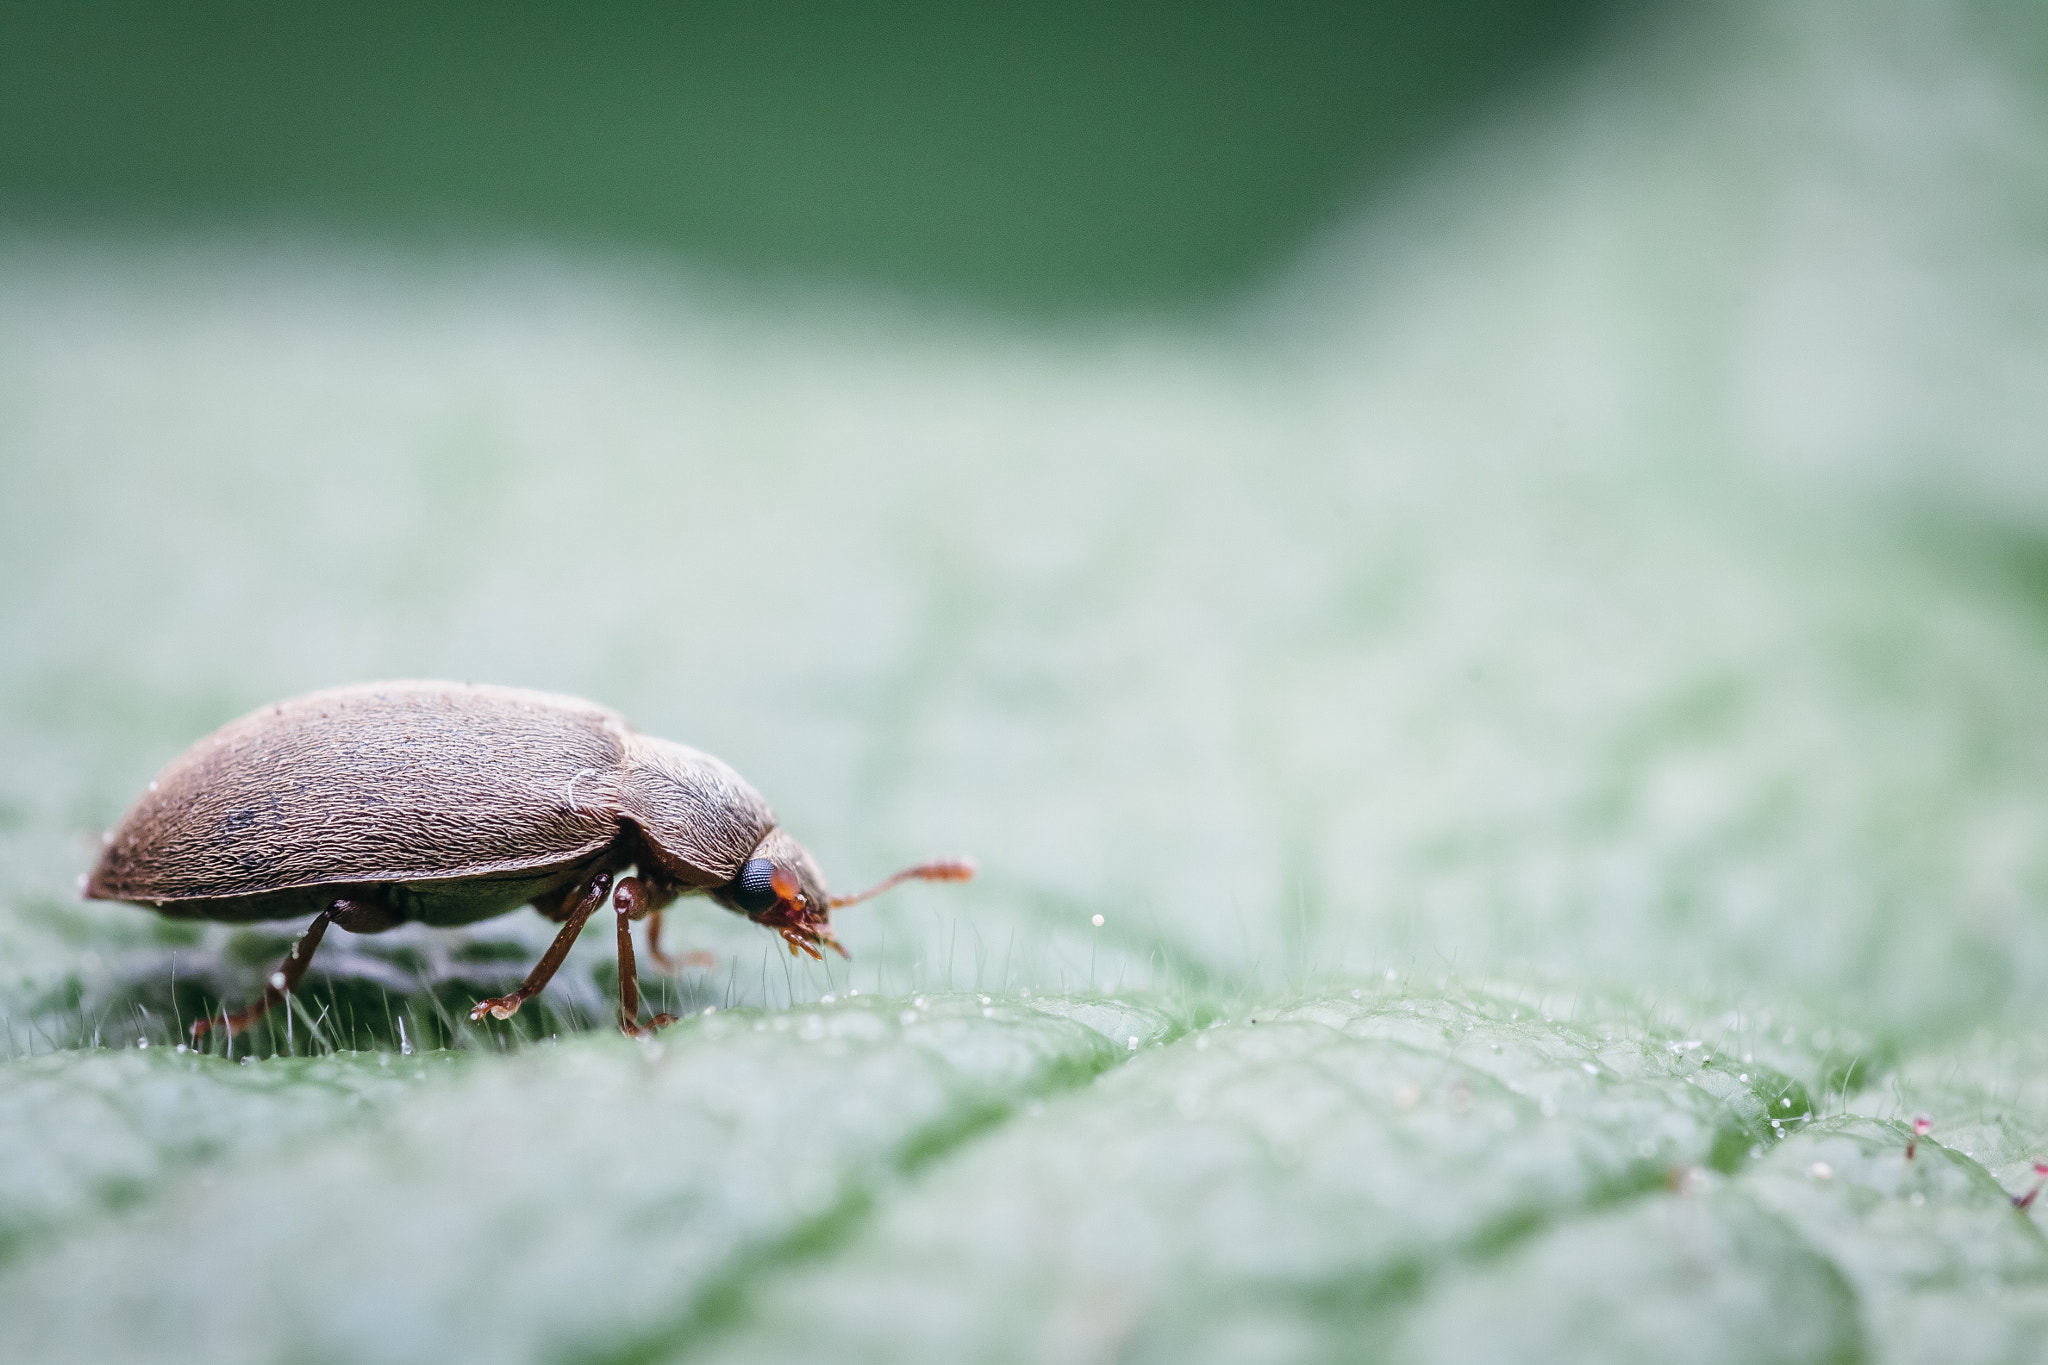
[[647, 895], [695, 957], [559, 905], [505, 1006], [632, 898], [358, 917], [661, 959], [629, 980]]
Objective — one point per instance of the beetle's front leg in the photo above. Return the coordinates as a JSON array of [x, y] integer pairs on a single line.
[[505, 1006], [648, 895], [629, 975]]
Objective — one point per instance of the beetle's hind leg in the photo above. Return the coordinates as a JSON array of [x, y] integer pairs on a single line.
[[505, 1006], [358, 917]]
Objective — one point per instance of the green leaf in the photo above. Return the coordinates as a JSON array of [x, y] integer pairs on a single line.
[[1508, 774]]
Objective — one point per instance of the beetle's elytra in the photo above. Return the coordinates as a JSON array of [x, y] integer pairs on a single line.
[[447, 803]]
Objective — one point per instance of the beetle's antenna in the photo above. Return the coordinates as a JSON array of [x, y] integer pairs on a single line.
[[937, 870]]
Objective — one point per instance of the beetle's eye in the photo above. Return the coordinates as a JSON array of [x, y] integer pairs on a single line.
[[754, 889]]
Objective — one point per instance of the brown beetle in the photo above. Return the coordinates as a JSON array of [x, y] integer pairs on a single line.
[[447, 803]]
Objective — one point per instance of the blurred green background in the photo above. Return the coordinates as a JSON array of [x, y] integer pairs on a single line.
[[1500, 551], [1065, 156]]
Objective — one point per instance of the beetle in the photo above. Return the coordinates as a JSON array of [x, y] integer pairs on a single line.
[[438, 803]]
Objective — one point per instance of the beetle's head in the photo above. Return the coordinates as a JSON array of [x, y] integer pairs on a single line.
[[780, 886]]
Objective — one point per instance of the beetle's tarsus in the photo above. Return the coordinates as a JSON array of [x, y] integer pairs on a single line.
[[502, 1007], [646, 1030]]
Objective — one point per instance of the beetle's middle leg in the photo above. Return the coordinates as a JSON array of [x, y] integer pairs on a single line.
[[560, 904], [358, 917], [505, 1006]]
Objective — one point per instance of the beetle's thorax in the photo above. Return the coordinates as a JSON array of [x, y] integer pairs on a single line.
[[700, 819]]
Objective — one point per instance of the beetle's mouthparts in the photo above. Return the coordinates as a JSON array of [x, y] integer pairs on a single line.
[[801, 927], [937, 870]]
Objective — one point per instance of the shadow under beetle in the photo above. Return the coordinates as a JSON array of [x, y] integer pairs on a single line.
[[447, 803]]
